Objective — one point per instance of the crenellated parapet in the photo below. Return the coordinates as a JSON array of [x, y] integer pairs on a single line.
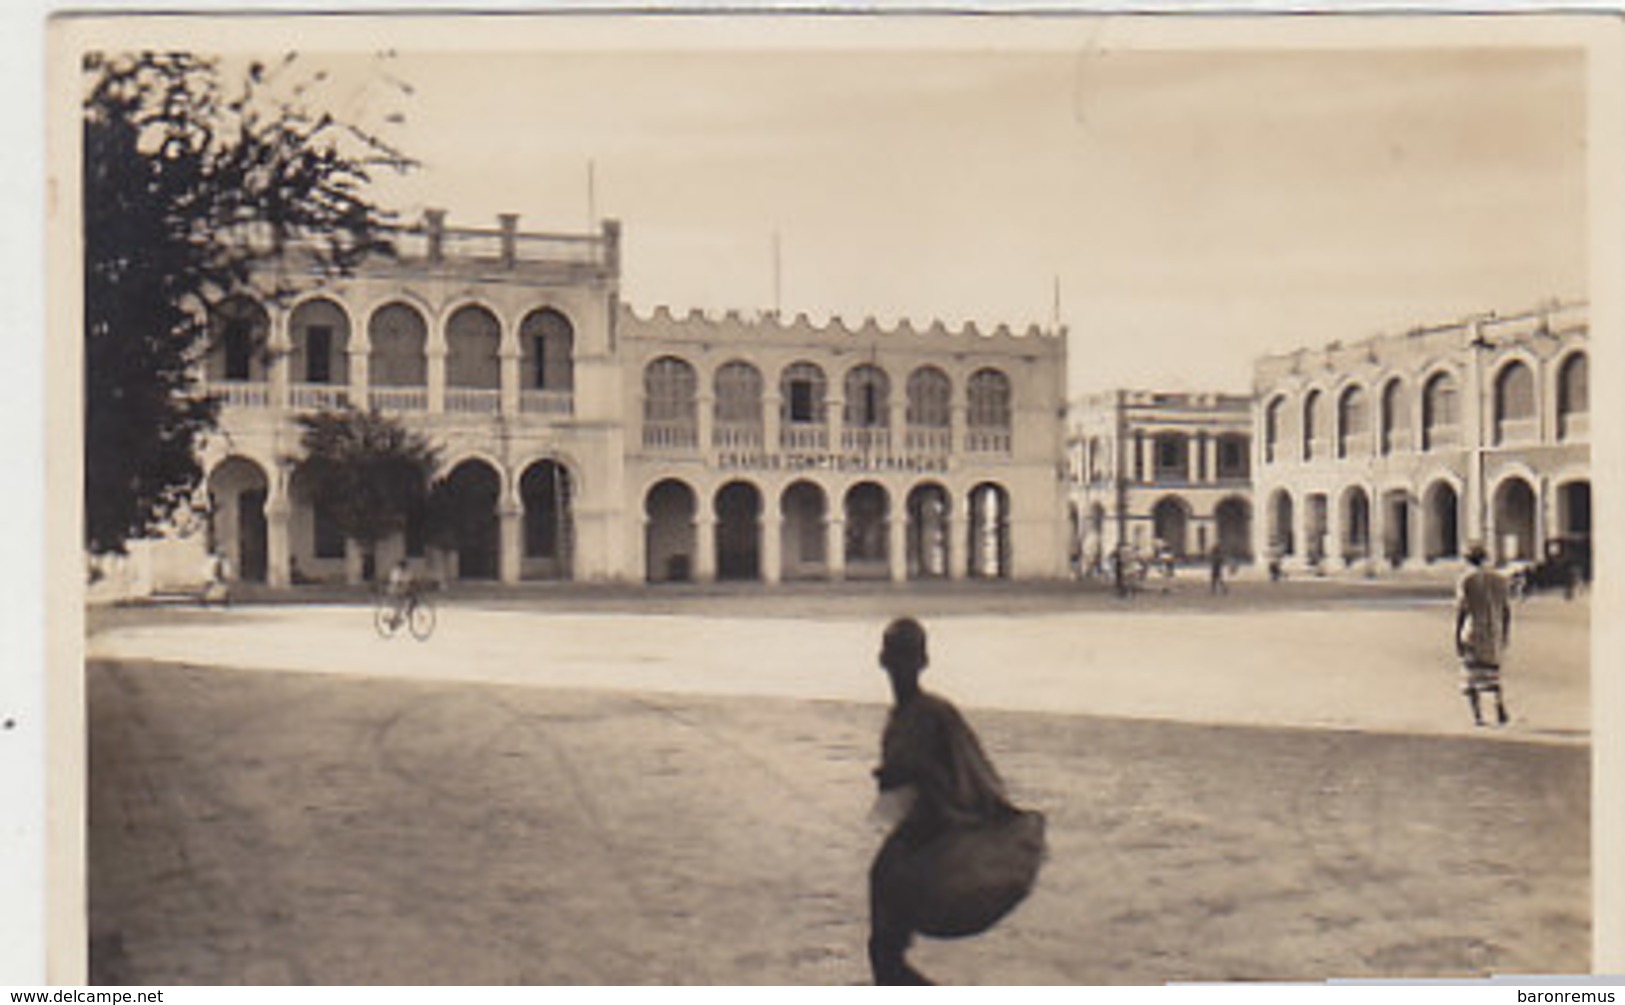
[[694, 325]]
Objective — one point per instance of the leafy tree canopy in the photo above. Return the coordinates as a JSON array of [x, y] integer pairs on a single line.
[[369, 471], [190, 183]]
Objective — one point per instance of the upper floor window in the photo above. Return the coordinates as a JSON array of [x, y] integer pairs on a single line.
[[1311, 427], [1231, 459], [1573, 395], [399, 340], [669, 387], [988, 400], [473, 347], [1514, 402], [1272, 428], [1353, 421], [867, 397], [319, 333], [240, 328], [547, 343], [1396, 416], [738, 394], [1440, 412], [930, 397], [802, 387]]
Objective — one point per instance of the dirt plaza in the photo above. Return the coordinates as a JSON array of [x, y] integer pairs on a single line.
[[574, 789]]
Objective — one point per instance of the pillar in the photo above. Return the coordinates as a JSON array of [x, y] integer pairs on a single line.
[[705, 544], [437, 379], [280, 347], [1479, 524], [772, 405], [897, 435], [1210, 446], [277, 546], [510, 541], [359, 376], [835, 409], [772, 548], [508, 363], [897, 543], [705, 419], [835, 543], [1147, 446], [1195, 454]]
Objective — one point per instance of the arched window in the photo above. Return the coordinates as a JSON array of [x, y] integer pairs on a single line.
[[1311, 429], [547, 350], [929, 398], [738, 405], [239, 328], [1274, 414], [801, 388], [1573, 397], [473, 346], [399, 338], [987, 412], [669, 404], [868, 397], [1515, 403], [1440, 412], [319, 332], [1396, 417], [1353, 423]]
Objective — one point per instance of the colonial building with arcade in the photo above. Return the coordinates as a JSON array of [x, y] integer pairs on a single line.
[[1155, 471], [582, 440], [1397, 450]]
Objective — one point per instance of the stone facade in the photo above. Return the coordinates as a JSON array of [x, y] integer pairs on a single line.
[[1396, 451], [584, 441], [1154, 470]]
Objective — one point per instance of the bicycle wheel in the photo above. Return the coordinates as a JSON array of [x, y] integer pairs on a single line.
[[421, 619], [383, 618]]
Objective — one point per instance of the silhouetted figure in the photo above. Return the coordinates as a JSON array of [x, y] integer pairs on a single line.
[[1216, 583], [963, 856], [1483, 631]]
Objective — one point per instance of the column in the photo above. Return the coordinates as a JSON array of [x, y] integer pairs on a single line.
[[772, 541], [437, 378], [897, 543], [509, 362], [956, 429], [898, 434], [359, 376], [281, 359], [772, 404], [277, 549], [1479, 524], [1195, 454], [835, 543], [1376, 528], [705, 419], [1211, 448], [705, 543], [1147, 446], [835, 409], [510, 541]]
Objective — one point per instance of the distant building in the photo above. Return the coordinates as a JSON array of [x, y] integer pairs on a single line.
[[584, 441], [1399, 449], [1156, 471]]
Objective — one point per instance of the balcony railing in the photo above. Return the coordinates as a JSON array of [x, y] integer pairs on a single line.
[[473, 401], [866, 440], [242, 393], [318, 397], [988, 441], [1441, 437], [670, 435], [802, 436], [536, 402], [1574, 426], [737, 436], [928, 440], [399, 399], [1355, 445]]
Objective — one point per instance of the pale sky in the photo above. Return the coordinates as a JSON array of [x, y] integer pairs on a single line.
[[1197, 208]]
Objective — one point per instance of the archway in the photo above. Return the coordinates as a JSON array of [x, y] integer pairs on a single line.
[[739, 531], [1514, 521], [1356, 524], [989, 532], [1234, 518], [1574, 522], [1441, 512], [469, 496], [669, 535], [237, 493], [803, 533], [547, 495], [867, 552], [1282, 540], [1170, 523], [928, 532], [1396, 523]]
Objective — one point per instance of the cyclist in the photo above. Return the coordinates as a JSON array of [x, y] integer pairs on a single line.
[[401, 589]]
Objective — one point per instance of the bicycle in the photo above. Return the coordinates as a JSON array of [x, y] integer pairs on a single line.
[[415, 611]]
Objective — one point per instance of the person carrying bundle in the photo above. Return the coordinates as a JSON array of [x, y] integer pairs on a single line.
[[963, 856]]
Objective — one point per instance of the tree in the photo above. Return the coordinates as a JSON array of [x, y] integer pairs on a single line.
[[188, 191], [368, 472]]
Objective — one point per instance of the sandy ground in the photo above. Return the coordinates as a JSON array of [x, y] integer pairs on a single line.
[[611, 797]]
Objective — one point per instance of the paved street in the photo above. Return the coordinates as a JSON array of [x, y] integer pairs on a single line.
[[602, 796]]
